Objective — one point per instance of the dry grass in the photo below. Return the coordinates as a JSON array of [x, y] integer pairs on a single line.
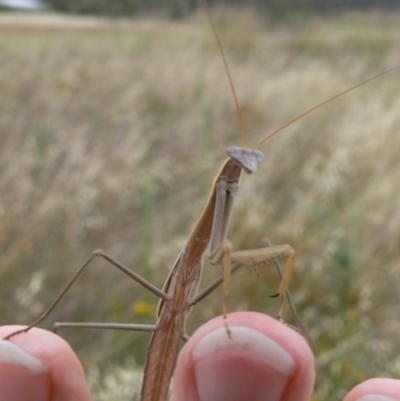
[[110, 138]]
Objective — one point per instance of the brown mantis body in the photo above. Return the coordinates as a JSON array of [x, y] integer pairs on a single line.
[[182, 283]]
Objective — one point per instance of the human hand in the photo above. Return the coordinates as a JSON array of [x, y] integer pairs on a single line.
[[264, 360]]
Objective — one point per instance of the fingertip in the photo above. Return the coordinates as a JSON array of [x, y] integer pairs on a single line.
[[263, 355], [64, 369], [377, 389], [18, 367]]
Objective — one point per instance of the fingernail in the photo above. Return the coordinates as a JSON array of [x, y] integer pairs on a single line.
[[376, 397], [22, 376], [249, 365]]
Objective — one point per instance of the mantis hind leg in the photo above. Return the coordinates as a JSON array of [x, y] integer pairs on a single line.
[[113, 262]]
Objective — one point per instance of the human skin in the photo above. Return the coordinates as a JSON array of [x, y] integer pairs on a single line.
[[263, 360]]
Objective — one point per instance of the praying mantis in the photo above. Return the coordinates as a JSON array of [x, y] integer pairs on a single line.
[[211, 227]]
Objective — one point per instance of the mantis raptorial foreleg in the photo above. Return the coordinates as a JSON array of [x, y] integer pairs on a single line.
[[226, 187], [254, 258], [262, 256]]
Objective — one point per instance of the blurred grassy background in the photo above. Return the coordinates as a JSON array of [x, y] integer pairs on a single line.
[[111, 133]]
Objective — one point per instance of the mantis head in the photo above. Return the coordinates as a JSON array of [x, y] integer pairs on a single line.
[[247, 159]]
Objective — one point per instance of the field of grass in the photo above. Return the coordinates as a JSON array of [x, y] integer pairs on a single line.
[[111, 134]]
